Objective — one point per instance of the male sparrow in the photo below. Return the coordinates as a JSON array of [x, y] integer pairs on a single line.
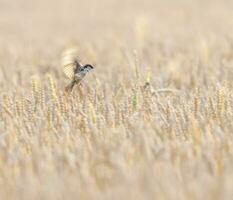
[[73, 69]]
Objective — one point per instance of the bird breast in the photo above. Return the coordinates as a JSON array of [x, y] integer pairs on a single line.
[[79, 76]]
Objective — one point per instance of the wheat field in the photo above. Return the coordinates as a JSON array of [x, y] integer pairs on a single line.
[[153, 120]]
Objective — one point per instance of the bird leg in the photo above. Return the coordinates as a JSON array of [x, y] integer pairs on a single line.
[[70, 86]]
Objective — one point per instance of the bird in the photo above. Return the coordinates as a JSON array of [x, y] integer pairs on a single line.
[[73, 69]]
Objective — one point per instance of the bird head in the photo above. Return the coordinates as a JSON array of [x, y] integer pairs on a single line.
[[86, 68]]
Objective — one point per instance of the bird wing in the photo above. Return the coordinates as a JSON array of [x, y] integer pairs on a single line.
[[70, 62]]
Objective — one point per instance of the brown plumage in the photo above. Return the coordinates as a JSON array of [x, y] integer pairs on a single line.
[[73, 69]]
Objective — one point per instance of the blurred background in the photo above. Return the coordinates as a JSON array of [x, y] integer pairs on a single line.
[[117, 137], [48, 21], [109, 32]]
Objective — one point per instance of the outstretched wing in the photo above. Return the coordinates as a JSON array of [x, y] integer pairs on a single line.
[[70, 62]]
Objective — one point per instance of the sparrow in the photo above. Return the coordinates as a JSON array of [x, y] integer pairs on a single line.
[[73, 69]]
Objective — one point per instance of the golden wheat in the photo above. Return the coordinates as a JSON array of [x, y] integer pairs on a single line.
[[153, 120]]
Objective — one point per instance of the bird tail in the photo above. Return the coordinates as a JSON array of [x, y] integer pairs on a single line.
[[70, 87]]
